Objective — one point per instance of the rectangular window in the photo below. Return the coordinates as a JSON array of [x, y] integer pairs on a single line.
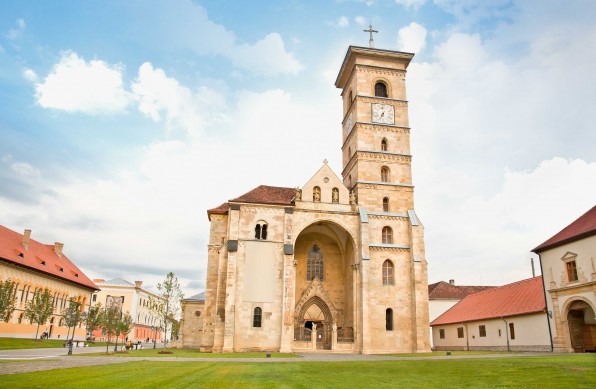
[[442, 333], [499, 333], [482, 331], [460, 332], [571, 271], [94, 298], [511, 330]]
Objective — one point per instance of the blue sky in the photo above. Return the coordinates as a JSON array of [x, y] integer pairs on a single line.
[[121, 123]]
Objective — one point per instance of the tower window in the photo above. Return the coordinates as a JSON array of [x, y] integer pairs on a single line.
[[387, 235], [386, 204], [256, 318], [316, 194], [384, 174], [384, 145], [387, 273], [261, 230], [389, 319], [380, 89], [314, 264]]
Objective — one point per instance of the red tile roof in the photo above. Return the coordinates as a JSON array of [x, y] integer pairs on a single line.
[[518, 298], [262, 194], [583, 227], [40, 257], [444, 290]]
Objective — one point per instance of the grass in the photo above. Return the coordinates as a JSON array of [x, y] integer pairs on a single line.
[[557, 371], [22, 343], [190, 353], [453, 353]]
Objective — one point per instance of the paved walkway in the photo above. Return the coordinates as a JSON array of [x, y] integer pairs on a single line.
[[44, 360]]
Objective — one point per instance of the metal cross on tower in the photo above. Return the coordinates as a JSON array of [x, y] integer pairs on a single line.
[[371, 41]]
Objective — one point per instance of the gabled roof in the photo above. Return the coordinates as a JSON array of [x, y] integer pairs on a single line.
[[40, 257], [196, 297], [518, 298], [116, 282], [262, 194], [445, 291], [583, 227]]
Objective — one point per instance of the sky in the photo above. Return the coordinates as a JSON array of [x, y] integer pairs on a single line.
[[122, 122]]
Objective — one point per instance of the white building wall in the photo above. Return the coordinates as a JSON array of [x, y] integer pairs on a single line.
[[531, 334]]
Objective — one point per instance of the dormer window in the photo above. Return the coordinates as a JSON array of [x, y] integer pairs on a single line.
[[21, 255]]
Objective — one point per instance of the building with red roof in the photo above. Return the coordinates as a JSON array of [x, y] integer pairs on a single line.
[[509, 317], [36, 266], [568, 262], [443, 295]]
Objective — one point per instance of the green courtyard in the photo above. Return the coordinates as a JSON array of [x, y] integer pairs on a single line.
[[550, 371]]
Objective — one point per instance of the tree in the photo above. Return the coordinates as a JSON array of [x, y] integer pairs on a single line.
[[72, 316], [125, 325], [94, 318], [40, 308], [8, 290], [167, 305], [110, 321]]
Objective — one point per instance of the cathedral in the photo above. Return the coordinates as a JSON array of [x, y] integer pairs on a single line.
[[338, 263]]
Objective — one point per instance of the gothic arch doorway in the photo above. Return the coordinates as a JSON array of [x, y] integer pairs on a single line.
[[315, 315], [582, 326]]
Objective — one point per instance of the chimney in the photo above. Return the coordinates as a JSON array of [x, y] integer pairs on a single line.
[[138, 284], [451, 282], [98, 281], [58, 248], [26, 237]]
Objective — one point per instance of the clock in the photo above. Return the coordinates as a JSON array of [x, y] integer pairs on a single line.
[[382, 113]]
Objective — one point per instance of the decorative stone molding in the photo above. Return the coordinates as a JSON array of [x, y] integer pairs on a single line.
[[395, 249], [268, 210], [370, 99], [314, 290], [355, 266], [380, 71], [383, 156]]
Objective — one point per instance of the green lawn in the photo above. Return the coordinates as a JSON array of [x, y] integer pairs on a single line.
[[20, 343], [189, 353], [566, 371], [453, 353]]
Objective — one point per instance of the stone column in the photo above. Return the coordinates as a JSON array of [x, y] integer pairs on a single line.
[[334, 337], [288, 285], [313, 337]]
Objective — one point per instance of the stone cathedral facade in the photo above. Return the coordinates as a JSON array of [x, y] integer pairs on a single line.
[[337, 264]]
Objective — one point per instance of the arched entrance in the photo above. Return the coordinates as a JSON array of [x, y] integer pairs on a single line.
[[582, 327], [325, 285], [315, 315]]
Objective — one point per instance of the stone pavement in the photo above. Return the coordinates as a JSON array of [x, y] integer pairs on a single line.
[[52, 362]]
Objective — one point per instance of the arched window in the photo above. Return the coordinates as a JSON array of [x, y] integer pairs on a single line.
[[387, 273], [316, 194], [261, 230], [385, 204], [384, 174], [314, 264], [380, 89], [389, 319], [256, 318], [384, 145], [387, 235], [335, 195]]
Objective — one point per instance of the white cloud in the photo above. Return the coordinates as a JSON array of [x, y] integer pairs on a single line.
[[341, 22], [491, 237], [279, 61], [16, 33], [75, 85], [416, 4], [361, 20], [24, 169], [29, 75], [412, 39]]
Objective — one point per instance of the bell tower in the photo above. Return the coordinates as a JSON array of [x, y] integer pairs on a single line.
[[377, 170], [376, 136]]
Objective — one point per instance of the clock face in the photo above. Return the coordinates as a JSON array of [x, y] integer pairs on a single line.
[[382, 113]]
